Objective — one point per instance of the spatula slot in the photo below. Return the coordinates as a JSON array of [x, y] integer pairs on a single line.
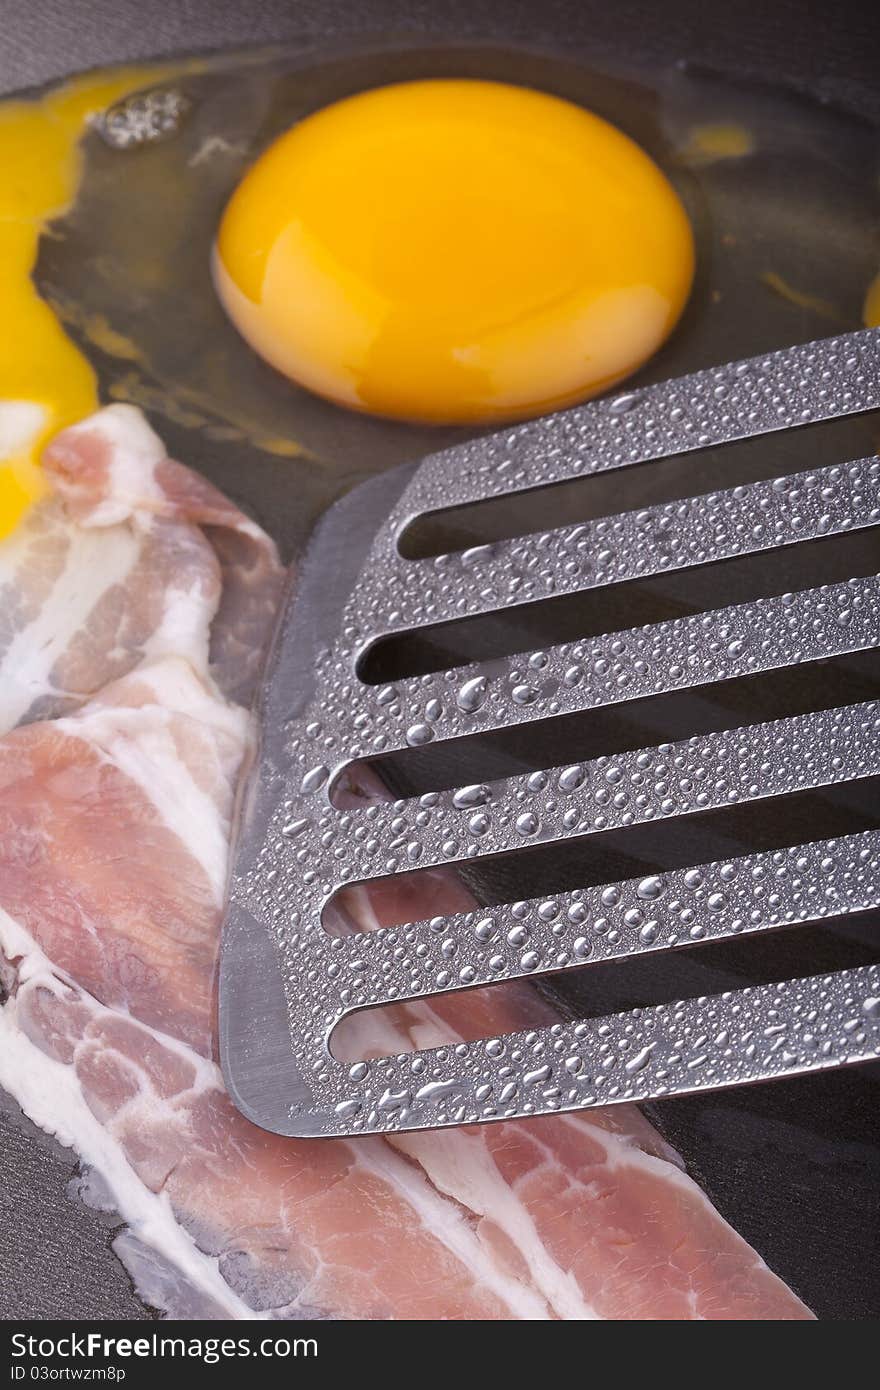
[[609, 856], [626, 725], [619, 985], [634, 603], [644, 485]]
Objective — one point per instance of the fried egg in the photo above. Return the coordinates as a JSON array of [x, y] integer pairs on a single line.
[[454, 251]]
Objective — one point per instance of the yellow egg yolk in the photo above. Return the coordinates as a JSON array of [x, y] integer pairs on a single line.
[[454, 250], [45, 381], [871, 308]]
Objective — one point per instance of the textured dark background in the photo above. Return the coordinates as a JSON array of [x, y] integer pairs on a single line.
[[796, 1166], [828, 49]]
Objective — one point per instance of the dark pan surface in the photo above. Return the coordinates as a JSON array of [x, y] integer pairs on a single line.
[[796, 1166]]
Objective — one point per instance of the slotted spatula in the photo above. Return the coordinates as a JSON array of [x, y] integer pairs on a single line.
[[285, 983]]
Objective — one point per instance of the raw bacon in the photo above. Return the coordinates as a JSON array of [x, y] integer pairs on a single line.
[[134, 557], [137, 602]]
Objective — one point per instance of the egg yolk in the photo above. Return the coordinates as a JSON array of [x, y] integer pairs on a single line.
[[871, 309], [456, 251], [45, 381]]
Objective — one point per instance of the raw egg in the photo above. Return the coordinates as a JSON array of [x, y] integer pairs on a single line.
[[871, 308], [454, 251], [45, 381]]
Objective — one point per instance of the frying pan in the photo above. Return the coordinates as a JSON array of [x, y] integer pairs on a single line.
[[795, 1167]]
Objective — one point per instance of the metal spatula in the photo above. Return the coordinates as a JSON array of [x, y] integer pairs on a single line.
[[285, 982]]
